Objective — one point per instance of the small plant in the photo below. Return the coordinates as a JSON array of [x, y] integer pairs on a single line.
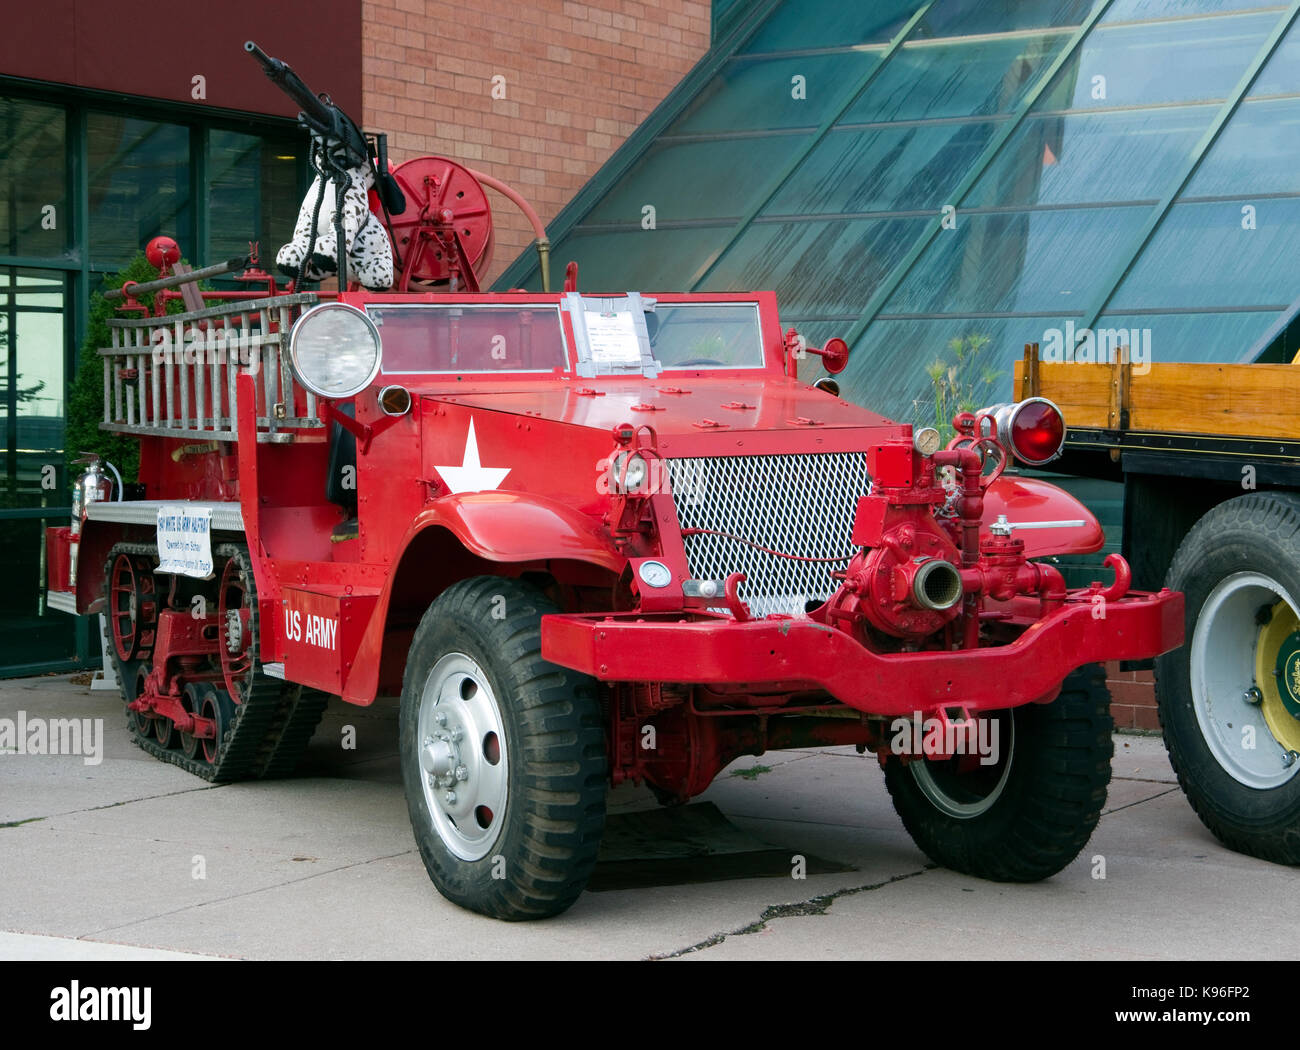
[[85, 408], [961, 381], [752, 773]]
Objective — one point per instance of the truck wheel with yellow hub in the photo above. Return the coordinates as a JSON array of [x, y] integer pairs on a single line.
[[1230, 697]]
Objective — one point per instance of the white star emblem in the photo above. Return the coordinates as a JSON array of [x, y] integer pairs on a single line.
[[471, 475]]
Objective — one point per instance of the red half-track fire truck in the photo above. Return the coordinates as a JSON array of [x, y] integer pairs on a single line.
[[587, 538]]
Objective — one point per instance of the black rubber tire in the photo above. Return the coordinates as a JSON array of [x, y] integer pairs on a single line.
[[1050, 803], [1256, 532], [557, 774]]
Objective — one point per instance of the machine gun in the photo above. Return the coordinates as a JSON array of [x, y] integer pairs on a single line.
[[330, 124]]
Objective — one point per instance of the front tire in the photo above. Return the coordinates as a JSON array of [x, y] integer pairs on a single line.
[[502, 753], [1229, 699], [1028, 815]]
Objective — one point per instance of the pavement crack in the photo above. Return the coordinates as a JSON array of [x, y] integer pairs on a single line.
[[1143, 780], [1149, 798], [243, 893], [113, 805], [818, 905]]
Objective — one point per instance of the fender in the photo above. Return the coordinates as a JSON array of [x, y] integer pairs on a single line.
[[494, 527], [520, 526], [1029, 499]]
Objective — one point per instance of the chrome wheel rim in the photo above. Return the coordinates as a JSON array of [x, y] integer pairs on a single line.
[[461, 749], [968, 794], [1232, 705]]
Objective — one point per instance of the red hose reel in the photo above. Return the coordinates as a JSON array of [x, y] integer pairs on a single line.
[[444, 236]]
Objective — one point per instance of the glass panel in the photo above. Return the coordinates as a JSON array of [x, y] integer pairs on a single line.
[[799, 24], [1195, 337], [883, 169], [1206, 255], [964, 17], [1136, 10], [1057, 159], [252, 192], [139, 187], [889, 366], [30, 632], [816, 268], [1281, 74], [695, 180], [718, 335], [470, 339], [755, 95], [34, 216], [31, 387], [955, 78], [1018, 262], [1133, 65], [635, 260], [1255, 153]]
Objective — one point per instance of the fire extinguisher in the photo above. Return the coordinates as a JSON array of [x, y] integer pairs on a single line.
[[93, 486]]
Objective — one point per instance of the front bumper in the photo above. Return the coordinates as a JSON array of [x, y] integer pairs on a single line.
[[789, 654]]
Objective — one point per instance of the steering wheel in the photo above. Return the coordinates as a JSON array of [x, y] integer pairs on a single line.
[[693, 361]]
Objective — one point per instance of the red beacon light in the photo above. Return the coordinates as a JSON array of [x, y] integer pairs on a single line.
[[1033, 430]]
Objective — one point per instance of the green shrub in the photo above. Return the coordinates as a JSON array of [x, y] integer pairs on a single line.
[[85, 408]]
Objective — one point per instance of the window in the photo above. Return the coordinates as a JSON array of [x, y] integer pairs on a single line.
[[705, 335], [459, 339], [139, 187], [34, 217]]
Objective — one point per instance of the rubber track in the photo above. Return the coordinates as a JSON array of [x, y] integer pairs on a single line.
[[269, 730]]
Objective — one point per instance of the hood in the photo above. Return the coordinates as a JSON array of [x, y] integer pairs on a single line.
[[676, 405]]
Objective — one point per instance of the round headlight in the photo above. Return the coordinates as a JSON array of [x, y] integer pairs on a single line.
[[630, 470], [334, 350]]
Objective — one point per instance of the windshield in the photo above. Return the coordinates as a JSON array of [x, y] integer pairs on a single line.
[[705, 335], [430, 338], [424, 338]]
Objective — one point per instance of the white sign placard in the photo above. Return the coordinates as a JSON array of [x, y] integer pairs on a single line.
[[612, 338], [185, 540]]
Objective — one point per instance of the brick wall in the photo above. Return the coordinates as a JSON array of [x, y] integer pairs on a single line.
[[578, 79], [1132, 698]]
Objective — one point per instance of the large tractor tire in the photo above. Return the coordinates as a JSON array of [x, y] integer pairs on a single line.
[[1026, 816], [1229, 699], [502, 754]]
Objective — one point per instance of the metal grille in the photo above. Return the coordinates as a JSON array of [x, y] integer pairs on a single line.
[[796, 504]]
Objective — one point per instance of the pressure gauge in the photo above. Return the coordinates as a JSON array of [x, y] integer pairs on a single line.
[[655, 574], [927, 441]]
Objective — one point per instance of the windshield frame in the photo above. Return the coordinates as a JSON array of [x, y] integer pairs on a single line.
[[769, 329]]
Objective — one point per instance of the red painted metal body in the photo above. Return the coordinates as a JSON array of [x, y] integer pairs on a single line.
[[506, 466]]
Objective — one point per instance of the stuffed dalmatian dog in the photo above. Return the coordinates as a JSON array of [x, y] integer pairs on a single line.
[[369, 251]]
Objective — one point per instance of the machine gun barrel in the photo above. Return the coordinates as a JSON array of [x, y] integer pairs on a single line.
[[321, 116], [283, 76]]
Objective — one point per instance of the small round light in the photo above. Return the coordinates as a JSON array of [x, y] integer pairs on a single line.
[[655, 574], [630, 472], [1037, 431], [927, 441], [334, 350], [395, 400]]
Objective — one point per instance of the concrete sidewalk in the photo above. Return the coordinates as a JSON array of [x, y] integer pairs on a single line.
[[100, 860]]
